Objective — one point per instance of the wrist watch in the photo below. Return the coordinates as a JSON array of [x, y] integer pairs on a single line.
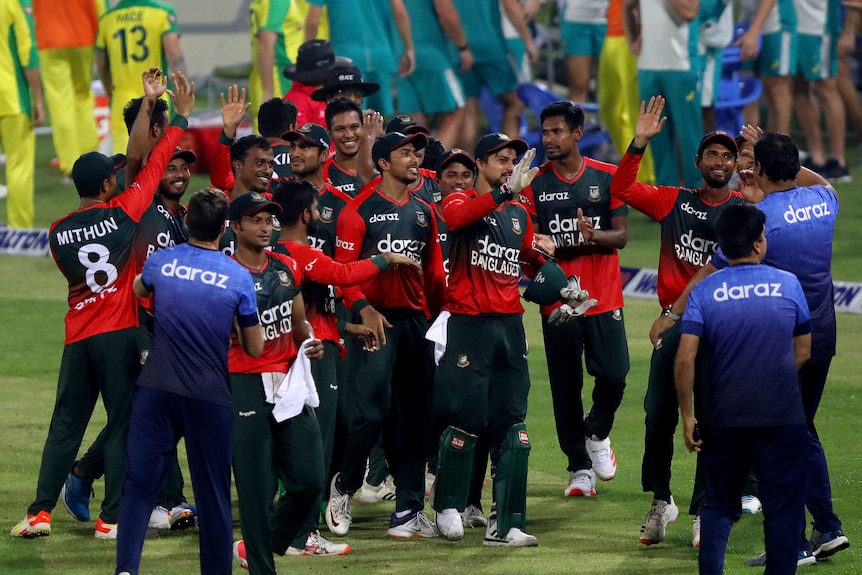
[[669, 314]]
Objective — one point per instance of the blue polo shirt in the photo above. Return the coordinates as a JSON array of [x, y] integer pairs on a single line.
[[800, 225], [746, 317], [197, 294]]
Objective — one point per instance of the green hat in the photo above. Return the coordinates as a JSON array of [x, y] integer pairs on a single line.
[[545, 288]]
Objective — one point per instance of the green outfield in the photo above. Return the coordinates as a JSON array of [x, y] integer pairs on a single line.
[[596, 535]]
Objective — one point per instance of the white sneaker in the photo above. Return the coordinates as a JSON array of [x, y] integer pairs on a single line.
[[659, 516], [603, 458], [450, 525], [695, 532], [582, 483], [159, 518], [514, 538], [751, 504], [473, 517], [338, 510], [319, 546], [412, 526], [377, 493]]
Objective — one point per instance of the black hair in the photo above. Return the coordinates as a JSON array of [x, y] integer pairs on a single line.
[[130, 112], [433, 150], [240, 148], [778, 155], [340, 106], [294, 197], [207, 212], [275, 117], [573, 114], [737, 228]]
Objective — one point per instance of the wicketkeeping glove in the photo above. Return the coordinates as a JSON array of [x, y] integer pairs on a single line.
[[522, 176], [576, 302]]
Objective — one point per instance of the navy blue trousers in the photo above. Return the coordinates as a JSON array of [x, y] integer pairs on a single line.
[[159, 419]]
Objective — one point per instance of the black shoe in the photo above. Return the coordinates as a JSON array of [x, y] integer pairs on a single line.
[[835, 172]]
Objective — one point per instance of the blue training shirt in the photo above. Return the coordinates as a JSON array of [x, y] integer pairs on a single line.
[[800, 225], [197, 294], [746, 317]]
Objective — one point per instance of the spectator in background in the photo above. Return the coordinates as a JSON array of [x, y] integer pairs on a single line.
[[583, 27], [65, 33], [514, 43], [21, 108]]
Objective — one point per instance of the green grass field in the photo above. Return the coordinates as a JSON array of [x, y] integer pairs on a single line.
[[593, 536]]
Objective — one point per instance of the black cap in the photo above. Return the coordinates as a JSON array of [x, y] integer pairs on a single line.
[[186, 155], [92, 169], [718, 137], [455, 155], [496, 142], [406, 125], [383, 146], [313, 61], [344, 78], [250, 203], [314, 134]]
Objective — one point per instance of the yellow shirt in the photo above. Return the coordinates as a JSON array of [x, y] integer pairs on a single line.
[[284, 18], [131, 35], [17, 53]]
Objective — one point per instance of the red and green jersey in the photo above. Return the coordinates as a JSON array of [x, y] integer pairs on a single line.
[[341, 179], [321, 276], [553, 202], [221, 172], [687, 224], [425, 187], [276, 284], [94, 249], [442, 236], [487, 242], [329, 205], [373, 224], [159, 228]]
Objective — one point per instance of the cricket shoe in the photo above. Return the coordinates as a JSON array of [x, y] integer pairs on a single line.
[[514, 538], [450, 524], [695, 532], [183, 516], [159, 518], [751, 504], [105, 530], [825, 545], [414, 525], [582, 483], [239, 554], [660, 515], [38, 525], [377, 493], [319, 546], [602, 456], [804, 558], [473, 517], [75, 494], [338, 510]]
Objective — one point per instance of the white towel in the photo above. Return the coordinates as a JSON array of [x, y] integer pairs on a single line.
[[438, 332], [295, 390]]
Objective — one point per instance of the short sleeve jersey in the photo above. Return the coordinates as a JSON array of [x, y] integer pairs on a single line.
[[276, 285], [158, 229], [131, 34], [585, 11], [198, 292], [747, 316], [282, 17], [281, 159], [374, 224], [358, 30], [329, 205], [800, 226], [553, 203], [668, 43], [687, 225], [94, 249], [341, 179], [483, 28], [484, 259], [17, 53]]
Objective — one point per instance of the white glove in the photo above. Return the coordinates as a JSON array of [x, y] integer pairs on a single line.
[[522, 176], [573, 293], [566, 312]]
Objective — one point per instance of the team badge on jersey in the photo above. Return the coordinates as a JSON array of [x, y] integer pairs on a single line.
[[516, 226], [463, 360], [617, 314], [595, 194], [276, 225], [421, 220], [326, 215], [283, 278]]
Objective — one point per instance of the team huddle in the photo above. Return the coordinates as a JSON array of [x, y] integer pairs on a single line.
[[343, 305]]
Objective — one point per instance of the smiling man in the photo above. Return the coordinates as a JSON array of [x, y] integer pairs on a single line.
[[687, 217], [344, 120]]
